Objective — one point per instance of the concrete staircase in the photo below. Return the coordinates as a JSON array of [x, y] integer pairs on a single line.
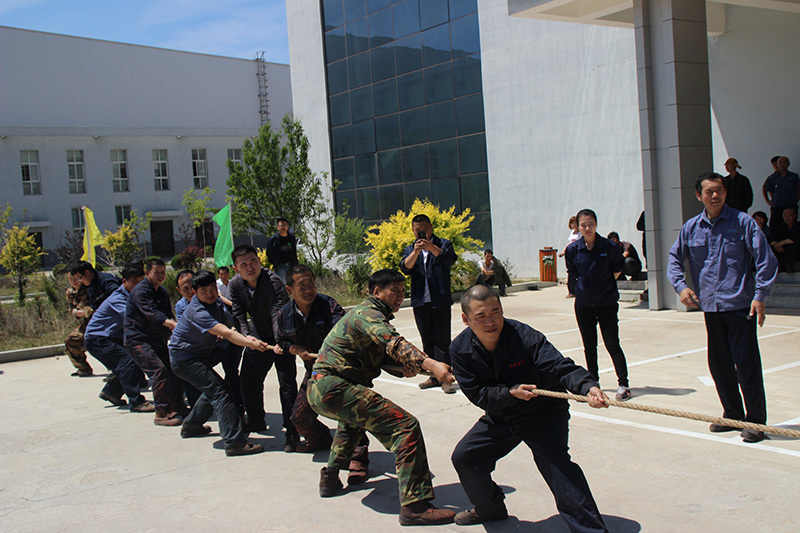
[[785, 292], [631, 291]]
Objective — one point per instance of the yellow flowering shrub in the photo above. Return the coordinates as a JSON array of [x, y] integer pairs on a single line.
[[388, 239], [262, 256]]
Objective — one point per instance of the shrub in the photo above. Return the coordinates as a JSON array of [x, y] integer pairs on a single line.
[[387, 240], [190, 258], [262, 256], [356, 277]]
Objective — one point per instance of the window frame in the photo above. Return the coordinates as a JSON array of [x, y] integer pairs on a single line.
[[119, 171], [199, 168], [76, 172], [160, 169], [31, 181]]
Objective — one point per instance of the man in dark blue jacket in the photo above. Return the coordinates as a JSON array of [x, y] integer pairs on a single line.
[[499, 363], [428, 261]]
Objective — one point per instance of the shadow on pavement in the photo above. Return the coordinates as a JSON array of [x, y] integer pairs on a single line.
[[659, 391]]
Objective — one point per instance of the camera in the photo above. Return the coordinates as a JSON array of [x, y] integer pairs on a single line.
[[422, 235]]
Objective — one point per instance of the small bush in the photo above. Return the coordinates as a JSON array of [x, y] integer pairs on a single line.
[[356, 277], [190, 258]]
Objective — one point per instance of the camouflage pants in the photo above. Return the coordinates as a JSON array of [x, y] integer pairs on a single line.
[[76, 350], [359, 409]]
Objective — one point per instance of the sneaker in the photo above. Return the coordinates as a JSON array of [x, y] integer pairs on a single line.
[[487, 513], [167, 419], [721, 428], [111, 399], [292, 442], [187, 432], [144, 407], [246, 448], [359, 466], [424, 514], [751, 435], [623, 394], [329, 482], [430, 383], [448, 388]]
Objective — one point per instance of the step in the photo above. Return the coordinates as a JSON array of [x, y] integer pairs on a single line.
[[783, 302], [786, 278], [786, 289], [627, 285]]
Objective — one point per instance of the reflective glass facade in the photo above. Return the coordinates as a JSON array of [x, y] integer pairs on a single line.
[[405, 105]]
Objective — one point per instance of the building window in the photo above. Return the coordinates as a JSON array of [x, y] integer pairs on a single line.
[[119, 170], [235, 157], [77, 218], [29, 164], [123, 213], [160, 170], [77, 181], [199, 170]]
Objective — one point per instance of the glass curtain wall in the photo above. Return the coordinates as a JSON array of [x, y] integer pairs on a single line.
[[405, 106]]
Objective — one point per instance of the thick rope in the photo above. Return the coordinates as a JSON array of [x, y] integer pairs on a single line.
[[775, 430]]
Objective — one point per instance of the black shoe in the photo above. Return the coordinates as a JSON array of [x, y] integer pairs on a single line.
[[247, 448], [292, 442], [187, 432], [329, 482], [109, 377], [255, 426], [488, 513], [721, 428], [116, 401], [751, 435]]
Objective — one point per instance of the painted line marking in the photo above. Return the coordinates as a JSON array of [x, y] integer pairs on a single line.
[[684, 433], [791, 422], [782, 367], [706, 380]]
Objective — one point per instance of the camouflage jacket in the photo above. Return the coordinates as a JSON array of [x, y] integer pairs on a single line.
[[79, 299], [361, 341]]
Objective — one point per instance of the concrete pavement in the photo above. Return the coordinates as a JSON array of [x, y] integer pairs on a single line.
[[71, 462]]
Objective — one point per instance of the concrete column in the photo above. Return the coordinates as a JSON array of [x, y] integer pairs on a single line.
[[675, 123]]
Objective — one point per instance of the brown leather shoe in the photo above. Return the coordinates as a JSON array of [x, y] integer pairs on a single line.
[[448, 388], [329, 482], [144, 407], [246, 448], [359, 466], [430, 383], [112, 399], [424, 514], [167, 419], [751, 435]]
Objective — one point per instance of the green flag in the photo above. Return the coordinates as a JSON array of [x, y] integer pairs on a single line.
[[224, 246]]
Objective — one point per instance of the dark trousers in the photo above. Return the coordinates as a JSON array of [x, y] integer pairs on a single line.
[[547, 435], [434, 328], [788, 257], [304, 418], [735, 362], [492, 280], [153, 359], [116, 359], [230, 356], [255, 366], [776, 217], [588, 318], [633, 268], [215, 398]]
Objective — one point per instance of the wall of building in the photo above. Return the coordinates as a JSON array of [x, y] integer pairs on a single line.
[[60, 93], [562, 131]]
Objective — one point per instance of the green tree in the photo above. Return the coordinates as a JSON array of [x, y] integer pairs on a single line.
[[274, 180], [319, 232], [122, 246], [195, 203], [20, 256]]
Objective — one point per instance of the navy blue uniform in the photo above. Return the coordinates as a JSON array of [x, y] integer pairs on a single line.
[[523, 355]]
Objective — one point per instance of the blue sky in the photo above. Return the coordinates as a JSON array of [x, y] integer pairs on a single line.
[[233, 28]]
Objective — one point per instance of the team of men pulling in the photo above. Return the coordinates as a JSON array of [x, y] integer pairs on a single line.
[[498, 363]]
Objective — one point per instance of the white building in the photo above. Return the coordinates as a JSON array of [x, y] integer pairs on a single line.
[[613, 105], [119, 127]]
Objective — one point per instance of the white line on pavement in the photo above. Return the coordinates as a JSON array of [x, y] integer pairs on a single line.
[[692, 434], [782, 367], [791, 422], [707, 381]]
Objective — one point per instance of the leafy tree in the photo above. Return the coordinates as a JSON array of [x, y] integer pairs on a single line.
[[20, 256], [319, 233], [349, 235], [72, 248], [195, 203], [388, 239], [122, 246], [273, 181]]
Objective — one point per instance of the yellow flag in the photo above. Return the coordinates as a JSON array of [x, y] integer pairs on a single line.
[[91, 237]]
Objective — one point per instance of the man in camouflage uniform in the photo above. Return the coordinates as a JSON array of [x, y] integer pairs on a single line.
[[340, 389], [78, 303]]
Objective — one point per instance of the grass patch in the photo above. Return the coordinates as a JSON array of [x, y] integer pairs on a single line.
[[38, 323]]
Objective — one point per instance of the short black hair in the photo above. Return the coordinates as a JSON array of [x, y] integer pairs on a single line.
[[132, 270], [203, 278], [709, 176], [183, 273], [761, 214], [281, 219], [476, 293], [296, 270], [585, 213], [242, 249], [384, 278], [81, 267], [613, 235], [488, 251], [775, 159], [223, 267], [420, 218], [153, 261]]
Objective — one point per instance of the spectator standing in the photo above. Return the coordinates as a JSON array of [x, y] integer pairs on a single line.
[[223, 278], [740, 192], [428, 261], [282, 249], [633, 265], [720, 243], [781, 190], [493, 273], [596, 263], [573, 236]]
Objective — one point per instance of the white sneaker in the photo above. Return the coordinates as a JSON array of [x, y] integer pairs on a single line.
[[623, 394]]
